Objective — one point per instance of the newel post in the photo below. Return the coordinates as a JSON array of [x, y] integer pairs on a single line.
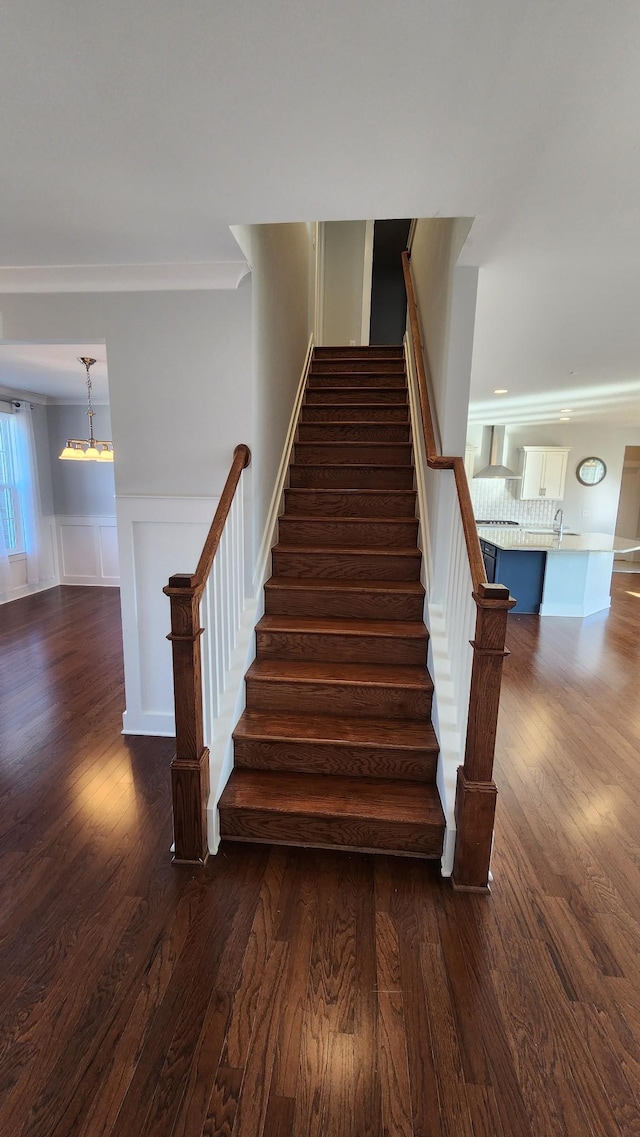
[[476, 791], [190, 766]]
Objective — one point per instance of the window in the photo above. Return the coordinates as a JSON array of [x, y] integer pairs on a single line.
[[10, 512]]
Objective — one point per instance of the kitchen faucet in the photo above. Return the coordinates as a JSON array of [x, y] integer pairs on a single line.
[[560, 529]]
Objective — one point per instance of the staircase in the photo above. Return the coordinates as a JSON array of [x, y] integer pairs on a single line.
[[335, 747]]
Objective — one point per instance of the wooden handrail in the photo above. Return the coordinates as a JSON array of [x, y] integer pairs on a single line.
[[475, 789], [198, 579], [436, 460], [190, 766]]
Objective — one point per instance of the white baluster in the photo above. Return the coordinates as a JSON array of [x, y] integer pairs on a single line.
[[240, 550], [217, 630], [207, 664]]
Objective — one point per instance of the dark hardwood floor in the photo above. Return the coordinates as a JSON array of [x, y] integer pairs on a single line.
[[287, 992]]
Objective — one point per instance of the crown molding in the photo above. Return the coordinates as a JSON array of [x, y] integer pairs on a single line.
[[13, 396], [123, 278]]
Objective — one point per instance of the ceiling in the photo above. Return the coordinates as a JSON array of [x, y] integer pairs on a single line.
[[52, 370], [135, 134]]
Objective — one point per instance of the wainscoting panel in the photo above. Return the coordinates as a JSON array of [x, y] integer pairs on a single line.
[[19, 585], [158, 536], [88, 550]]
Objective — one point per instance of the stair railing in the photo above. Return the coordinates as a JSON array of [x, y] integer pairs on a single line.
[[475, 619], [215, 593]]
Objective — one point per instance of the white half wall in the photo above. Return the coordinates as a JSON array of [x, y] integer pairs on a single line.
[[158, 537]]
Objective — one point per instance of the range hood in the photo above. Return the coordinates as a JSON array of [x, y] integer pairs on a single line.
[[495, 469]]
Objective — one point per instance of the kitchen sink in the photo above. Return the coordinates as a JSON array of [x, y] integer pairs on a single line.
[[549, 529]]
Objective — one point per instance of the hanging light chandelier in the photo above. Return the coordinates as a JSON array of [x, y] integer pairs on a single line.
[[86, 449]]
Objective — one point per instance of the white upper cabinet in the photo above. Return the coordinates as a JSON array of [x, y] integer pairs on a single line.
[[544, 471]]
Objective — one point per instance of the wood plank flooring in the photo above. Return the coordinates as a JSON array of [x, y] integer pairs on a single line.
[[283, 992]]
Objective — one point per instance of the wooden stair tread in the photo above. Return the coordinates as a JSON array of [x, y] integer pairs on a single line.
[[348, 550], [346, 373], [313, 584], [371, 520], [342, 406], [351, 490], [392, 734], [343, 627], [358, 422], [354, 444], [365, 674], [320, 795], [360, 390], [350, 465]]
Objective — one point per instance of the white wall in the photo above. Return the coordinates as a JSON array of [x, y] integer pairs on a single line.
[[344, 266], [178, 362], [585, 440], [446, 299], [181, 392], [282, 273], [87, 490]]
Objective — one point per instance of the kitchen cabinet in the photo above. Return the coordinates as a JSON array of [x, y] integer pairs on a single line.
[[520, 570], [544, 471]]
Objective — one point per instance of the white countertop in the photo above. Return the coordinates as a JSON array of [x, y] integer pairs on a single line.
[[522, 538]]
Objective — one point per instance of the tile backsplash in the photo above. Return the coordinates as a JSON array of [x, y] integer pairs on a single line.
[[493, 500]]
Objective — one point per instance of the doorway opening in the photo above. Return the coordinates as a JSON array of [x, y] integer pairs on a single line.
[[628, 519], [61, 527]]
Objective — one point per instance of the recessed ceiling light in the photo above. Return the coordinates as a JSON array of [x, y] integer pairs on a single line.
[[501, 391], [566, 410], [565, 418]]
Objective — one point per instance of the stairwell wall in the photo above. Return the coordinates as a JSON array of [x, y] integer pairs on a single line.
[[345, 246], [282, 270], [446, 298]]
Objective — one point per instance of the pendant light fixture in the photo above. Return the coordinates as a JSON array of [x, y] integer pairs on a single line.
[[88, 449]]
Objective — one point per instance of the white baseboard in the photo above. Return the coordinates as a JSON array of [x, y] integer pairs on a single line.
[[162, 725], [599, 604]]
